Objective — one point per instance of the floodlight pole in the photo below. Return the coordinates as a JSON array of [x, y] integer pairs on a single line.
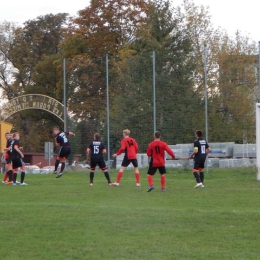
[[108, 123], [64, 96], [206, 91], [154, 95], [258, 71]]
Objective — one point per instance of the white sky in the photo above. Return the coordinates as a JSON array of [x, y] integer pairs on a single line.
[[231, 15]]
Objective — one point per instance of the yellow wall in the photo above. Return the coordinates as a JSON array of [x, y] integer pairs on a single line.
[[4, 127]]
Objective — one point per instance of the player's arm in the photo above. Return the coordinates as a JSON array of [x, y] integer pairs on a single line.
[[149, 151], [18, 150], [88, 151], [207, 150], [169, 151], [136, 147], [70, 133], [195, 150], [122, 149]]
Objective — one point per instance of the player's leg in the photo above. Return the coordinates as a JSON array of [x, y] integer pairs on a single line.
[[137, 174], [8, 171], [64, 154], [201, 172], [22, 183], [124, 164], [162, 171], [195, 171], [151, 171], [103, 167], [92, 171]]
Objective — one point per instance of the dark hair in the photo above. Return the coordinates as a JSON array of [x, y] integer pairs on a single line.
[[199, 133], [157, 134], [97, 137]]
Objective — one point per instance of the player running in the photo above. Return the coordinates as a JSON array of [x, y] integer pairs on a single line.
[[201, 150], [95, 152], [156, 150], [130, 147], [61, 140]]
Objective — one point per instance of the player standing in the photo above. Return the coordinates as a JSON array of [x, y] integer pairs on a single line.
[[156, 150], [201, 150], [17, 162], [61, 140], [8, 161], [95, 152], [130, 147]]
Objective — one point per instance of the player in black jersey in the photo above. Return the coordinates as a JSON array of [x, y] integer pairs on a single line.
[[201, 150], [61, 140], [95, 152], [17, 162]]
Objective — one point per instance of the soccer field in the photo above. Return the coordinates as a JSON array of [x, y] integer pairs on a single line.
[[66, 219]]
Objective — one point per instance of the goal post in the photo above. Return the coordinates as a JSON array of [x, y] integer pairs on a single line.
[[258, 141]]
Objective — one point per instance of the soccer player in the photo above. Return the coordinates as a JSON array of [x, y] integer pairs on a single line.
[[17, 162], [61, 140], [156, 150], [95, 152], [201, 150], [8, 164], [130, 147]]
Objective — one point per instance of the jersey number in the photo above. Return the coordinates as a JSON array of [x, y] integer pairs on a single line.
[[203, 149], [157, 149], [130, 143], [96, 149]]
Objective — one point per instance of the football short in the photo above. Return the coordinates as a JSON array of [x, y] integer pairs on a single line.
[[152, 170], [100, 162], [8, 160], [64, 152], [199, 164], [17, 162], [126, 162]]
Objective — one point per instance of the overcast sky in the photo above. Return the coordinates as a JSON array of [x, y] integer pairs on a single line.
[[230, 15]]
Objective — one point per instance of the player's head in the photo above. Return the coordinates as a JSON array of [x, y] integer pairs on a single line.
[[97, 137], [8, 135], [126, 132], [198, 133], [16, 136], [55, 130], [157, 135]]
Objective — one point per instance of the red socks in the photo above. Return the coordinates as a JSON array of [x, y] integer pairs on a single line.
[[137, 177], [150, 180], [5, 176], [163, 180], [119, 176]]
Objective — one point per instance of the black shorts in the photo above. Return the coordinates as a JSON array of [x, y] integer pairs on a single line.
[[64, 152], [8, 160], [126, 162], [152, 170], [97, 161], [199, 163], [17, 162]]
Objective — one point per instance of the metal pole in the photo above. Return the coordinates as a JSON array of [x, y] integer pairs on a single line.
[[206, 99], [108, 123], [206, 92], [154, 95], [258, 72], [64, 95]]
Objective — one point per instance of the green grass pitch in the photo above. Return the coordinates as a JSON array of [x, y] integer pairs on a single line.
[[66, 219]]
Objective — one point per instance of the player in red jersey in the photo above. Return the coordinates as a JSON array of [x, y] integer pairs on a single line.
[[130, 147], [8, 161], [156, 150]]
